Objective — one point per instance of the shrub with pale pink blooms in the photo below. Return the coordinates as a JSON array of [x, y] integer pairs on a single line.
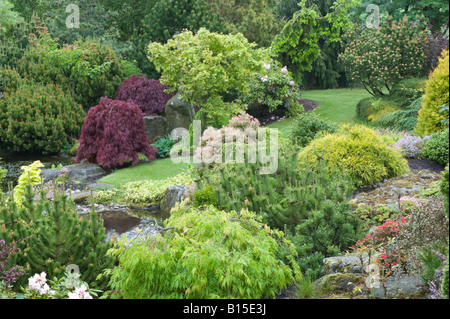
[[214, 143], [411, 146]]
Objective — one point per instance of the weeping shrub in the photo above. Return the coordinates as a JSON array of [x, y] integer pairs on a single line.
[[148, 94], [205, 254], [113, 134]]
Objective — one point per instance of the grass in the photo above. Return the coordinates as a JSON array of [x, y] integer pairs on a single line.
[[337, 105], [156, 170]]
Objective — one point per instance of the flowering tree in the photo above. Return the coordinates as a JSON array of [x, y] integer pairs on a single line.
[[380, 57]]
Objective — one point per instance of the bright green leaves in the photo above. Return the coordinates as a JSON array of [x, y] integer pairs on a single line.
[[206, 66], [299, 39], [206, 254]]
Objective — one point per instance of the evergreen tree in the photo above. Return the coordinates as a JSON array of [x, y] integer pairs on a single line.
[[51, 235], [309, 42]]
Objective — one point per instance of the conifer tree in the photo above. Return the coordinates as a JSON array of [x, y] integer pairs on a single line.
[[51, 236]]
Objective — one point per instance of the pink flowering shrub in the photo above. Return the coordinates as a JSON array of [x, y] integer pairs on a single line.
[[213, 142], [412, 146]]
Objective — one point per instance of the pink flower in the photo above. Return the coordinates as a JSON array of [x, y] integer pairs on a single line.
[[284, 70]]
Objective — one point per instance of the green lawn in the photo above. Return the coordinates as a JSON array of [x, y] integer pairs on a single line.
[[337, 105], [155, 170]]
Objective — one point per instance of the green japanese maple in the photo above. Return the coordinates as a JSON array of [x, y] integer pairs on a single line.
[[208, 66]]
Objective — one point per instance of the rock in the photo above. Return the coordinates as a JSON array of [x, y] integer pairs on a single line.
[[342, 264], [350, 263], [173, 195], [178, 113], [411, 287], [81, 197], [155, 127], [98, 185], [77, 172], [339, 282]]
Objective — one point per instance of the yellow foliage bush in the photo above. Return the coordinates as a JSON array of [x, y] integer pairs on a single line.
[[362, 153], [436, 94]]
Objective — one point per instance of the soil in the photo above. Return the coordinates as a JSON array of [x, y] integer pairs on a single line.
[[423, 164], [269, 118]]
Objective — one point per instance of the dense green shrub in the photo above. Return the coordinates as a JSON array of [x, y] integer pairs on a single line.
[[90, 70], [130, 68], [205, 197], [9, 81], [403, 120], [164, 145], [206, 254], [51, 235], [430, 119], [364, 156], [308, 125], [408, 90], [37, 118], [437, 148]]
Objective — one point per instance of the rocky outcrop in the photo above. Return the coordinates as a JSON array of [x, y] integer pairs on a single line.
[[178, 113], [173, 195], [155, 127], [79, 172]]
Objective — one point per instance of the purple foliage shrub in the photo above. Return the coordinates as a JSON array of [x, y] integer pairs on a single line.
[[148, 94], [435, 44], [8, 274], [113, 134]]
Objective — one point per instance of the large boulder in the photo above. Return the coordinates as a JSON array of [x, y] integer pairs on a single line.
[[178, 113], [155, 127], [79, 172], [174, 194]]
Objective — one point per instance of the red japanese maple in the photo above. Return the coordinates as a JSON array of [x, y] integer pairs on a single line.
[[113, 133], [147, 93]]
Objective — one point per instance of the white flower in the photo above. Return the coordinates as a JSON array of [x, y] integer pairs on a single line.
[[267, 67], [264, 78], [37, 281], [44, 289], [80, 293]]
